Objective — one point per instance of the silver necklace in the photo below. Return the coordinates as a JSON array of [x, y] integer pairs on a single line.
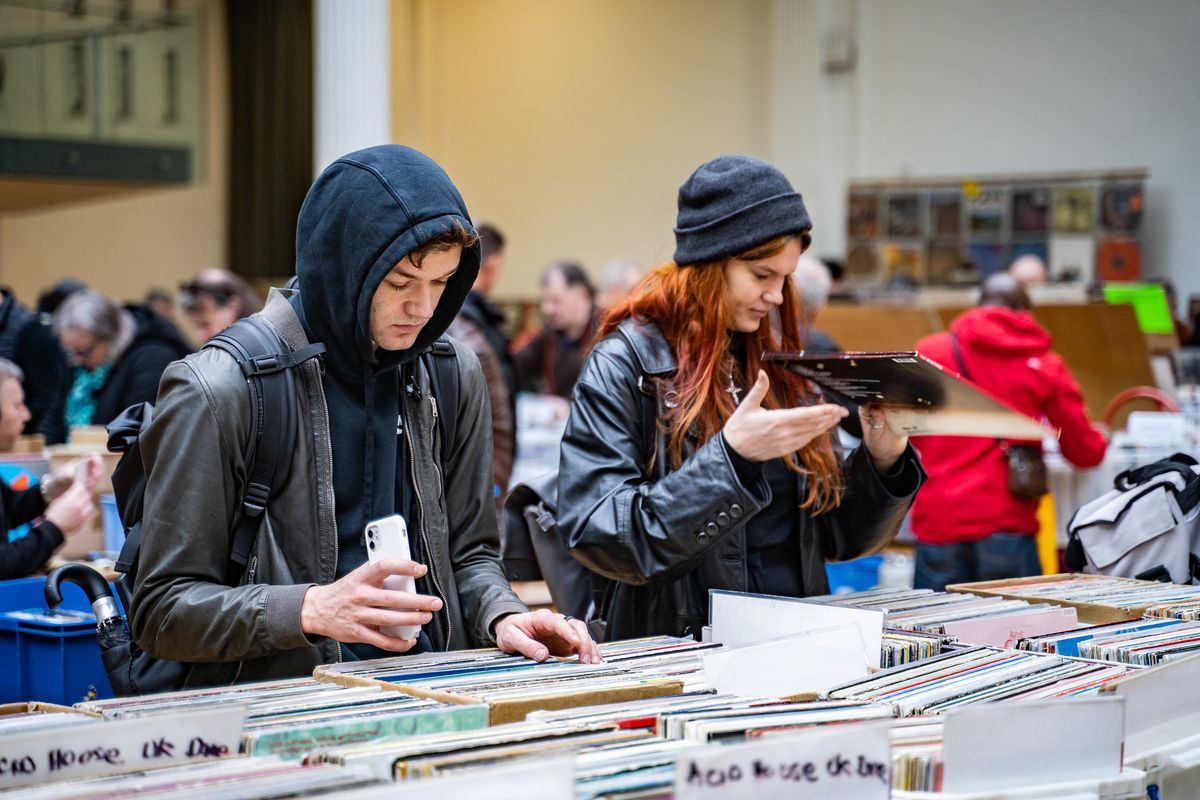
[[732, 389]]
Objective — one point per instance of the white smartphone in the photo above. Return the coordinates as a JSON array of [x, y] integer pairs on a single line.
[[387, 538]]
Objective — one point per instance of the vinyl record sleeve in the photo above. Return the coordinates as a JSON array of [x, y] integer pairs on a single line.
[[918, 396]]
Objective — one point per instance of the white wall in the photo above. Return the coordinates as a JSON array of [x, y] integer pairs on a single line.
[[570, 124], [947, 87]]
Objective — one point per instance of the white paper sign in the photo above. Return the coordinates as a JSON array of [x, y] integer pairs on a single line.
[[807, 662], [1053, 742], [154, 740], [739, 619], [1162, 705], [848, 762], [525, 779]]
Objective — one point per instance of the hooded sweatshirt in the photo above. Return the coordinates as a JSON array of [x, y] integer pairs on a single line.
[[365, 213], [1008, 354]]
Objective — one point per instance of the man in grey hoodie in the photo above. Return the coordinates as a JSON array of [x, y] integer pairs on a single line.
[[385, 256]]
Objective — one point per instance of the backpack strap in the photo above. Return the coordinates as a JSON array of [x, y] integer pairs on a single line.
[[1179, 463], [441, 362], [274, 416]]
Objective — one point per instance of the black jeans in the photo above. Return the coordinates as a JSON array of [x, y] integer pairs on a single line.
[[1001, 555]]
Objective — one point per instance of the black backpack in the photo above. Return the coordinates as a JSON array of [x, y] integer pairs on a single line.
[[270, 373]]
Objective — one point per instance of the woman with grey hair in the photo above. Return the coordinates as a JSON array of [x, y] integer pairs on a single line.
[[119, 354]]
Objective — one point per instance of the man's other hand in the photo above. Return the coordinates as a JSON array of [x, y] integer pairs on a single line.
[[541, 634], [352, 608]]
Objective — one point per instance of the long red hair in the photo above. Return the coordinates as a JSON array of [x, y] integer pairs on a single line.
[[689, 306]]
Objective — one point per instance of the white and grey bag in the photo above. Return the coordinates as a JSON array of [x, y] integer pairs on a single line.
[[1148, 527]]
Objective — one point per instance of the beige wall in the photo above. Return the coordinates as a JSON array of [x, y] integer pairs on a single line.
[[570, 124], [150, 237]]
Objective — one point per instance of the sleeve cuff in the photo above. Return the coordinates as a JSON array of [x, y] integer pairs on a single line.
[[905, 476], [53, 534], [502, 609], [282, 612], [747, 471]]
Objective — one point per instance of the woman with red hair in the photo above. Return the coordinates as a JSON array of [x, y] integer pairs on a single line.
[[689, 463]]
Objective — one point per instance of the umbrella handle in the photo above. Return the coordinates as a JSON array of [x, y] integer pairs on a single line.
[[104, 606]]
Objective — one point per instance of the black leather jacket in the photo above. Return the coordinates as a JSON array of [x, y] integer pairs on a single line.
[[669, 538]]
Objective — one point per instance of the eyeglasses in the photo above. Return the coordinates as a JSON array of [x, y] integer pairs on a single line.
[[82, 354], [191, 292]]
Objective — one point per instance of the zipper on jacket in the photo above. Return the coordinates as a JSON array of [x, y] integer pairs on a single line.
[[328, 471], [253, 571], [412, 469]]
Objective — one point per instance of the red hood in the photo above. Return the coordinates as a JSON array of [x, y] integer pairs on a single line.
[[1001, 331]]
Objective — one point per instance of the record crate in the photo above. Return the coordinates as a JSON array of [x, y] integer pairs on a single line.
[[515, 709], [47, 657], [1091, 613]]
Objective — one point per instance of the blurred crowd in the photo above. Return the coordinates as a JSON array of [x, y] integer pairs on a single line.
[[80, 357]]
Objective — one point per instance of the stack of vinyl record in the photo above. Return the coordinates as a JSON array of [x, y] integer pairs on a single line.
[[624, 750], [265, 777], [917, 763], [291, 717], [1112, 599], [966, 618], [388, 759], [511, 686], [1082, 642], [29, 722], [662, 657], [1145, 645], [979, 675]]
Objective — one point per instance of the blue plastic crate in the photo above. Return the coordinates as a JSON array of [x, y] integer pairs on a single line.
[[114, 529], [853, 576], [48, 658]]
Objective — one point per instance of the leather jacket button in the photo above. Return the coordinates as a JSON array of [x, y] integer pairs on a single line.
[[735, 511], [722, 519], [711, 529], [701, 535]]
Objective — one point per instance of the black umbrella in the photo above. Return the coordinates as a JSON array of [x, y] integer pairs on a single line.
[[130, 670]]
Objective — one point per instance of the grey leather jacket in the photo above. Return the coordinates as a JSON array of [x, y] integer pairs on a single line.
[[669, 537], [193, 454]]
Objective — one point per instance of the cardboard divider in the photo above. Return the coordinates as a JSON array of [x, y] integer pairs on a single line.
[[515, 710]]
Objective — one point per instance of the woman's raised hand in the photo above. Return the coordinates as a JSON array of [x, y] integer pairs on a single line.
[[760, 434]]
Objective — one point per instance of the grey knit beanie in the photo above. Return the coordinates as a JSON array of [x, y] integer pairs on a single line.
[[731, 204]]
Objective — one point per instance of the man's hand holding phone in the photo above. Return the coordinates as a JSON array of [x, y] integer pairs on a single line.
[[377, 603], [355, 607]]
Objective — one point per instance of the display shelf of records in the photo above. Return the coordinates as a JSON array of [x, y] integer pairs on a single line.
[[1086, 226], [642, 723]]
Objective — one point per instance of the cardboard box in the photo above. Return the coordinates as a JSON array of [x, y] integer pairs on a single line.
[[41, 708], [92, 437], [515, 710], [1091, 613], [89, 539], [30, 443], [62, 454]]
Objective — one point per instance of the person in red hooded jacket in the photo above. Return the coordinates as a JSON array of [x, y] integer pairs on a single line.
[[969, 527]]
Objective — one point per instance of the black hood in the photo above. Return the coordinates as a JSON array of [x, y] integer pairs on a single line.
[[363, 214]]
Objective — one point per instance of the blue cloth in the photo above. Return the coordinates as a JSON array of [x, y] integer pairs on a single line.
[[81, 401], [1001, 555]]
